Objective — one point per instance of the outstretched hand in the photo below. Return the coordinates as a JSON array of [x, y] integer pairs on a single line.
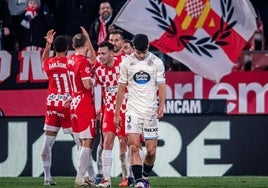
[[50, 36], [160, 112], [84, 31]]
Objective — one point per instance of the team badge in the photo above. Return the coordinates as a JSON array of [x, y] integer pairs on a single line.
[[150, 63], [87, 70], [128, 126], [141, 77]]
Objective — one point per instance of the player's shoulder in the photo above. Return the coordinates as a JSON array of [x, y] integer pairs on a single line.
[[155, 60], [154, 57], [99, 68], [71, 56], [129, 58], [49, 59]]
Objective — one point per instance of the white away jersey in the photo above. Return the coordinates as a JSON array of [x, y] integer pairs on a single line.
[[142, 78]]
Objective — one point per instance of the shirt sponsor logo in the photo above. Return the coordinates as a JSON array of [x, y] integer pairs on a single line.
[[58, 97], [111, 89], [150, 130], [53, 112], [141, 77]]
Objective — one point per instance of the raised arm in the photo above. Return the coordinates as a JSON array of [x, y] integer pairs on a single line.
[[92, 54], [49, 38]]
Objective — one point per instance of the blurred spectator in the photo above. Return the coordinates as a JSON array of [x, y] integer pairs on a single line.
[[256, 42], [16, 8], [261, 7], [170, 65], [259, 61], [99, 28], [38, 27], [31, 12], [5, 26], [173, 64]]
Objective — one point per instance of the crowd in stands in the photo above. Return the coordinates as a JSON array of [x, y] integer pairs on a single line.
[[66, 17], [23, 26]]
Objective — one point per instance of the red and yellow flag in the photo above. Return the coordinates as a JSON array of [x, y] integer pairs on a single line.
[[205, 35]]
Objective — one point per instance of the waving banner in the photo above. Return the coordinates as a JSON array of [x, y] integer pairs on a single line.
[[205, 35]]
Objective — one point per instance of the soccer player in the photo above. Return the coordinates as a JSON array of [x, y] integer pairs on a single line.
[[57, 113], [128, 47], [83, 114], [142, 73], [107, 75], [116, 38], [121, 51]]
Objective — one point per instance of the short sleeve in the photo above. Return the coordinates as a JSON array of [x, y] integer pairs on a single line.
[[85, 70], [123, 72], [160, 76]]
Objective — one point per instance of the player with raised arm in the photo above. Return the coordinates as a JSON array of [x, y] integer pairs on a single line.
[[83, 114], [59, 92]]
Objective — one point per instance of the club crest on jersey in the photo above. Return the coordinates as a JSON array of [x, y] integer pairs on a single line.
[[71, 62], [141, 77], [132, 63], [150, 63], [87, 70], [129, 126]]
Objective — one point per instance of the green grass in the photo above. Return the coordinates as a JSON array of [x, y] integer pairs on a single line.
[[181, 182]]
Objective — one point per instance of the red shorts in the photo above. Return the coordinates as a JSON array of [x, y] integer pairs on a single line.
[[83, 116], [108, 123], [57, 117]]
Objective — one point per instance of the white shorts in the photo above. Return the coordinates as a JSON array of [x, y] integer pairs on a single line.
[[85, 134], [148, 128], [56, 129]]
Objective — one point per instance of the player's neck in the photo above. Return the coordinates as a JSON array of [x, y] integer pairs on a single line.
[[110, 63], [118, 53], [81, 51], [61, 54]]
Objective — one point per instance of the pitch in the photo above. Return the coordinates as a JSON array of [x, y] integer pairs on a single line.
[[156, 182]]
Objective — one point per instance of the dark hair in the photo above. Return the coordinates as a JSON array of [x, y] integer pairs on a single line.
[[79, 40], [117, 32], [60, 44], [105, 1], [107, 44], [129, 42], [140, 42]]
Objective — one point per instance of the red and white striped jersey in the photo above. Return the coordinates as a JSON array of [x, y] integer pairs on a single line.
[[107, 77]]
